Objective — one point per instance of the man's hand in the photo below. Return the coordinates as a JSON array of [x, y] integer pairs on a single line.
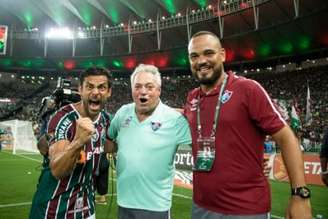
[[324, 177], [298, 208], [64, 154], [110, 146], [84, 130]]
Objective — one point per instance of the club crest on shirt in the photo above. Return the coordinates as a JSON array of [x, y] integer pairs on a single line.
[[95, 136], [127, 121], [155, 126], [226, 96], [193, 103]]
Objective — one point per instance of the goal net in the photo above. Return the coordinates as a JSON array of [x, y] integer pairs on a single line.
[[18, 136]]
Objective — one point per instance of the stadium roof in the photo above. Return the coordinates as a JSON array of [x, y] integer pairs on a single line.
[[284, 28], [40, 13]]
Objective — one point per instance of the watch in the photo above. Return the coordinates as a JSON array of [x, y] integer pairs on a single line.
[[303, 192]]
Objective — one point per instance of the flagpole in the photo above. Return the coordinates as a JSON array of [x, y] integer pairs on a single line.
[[308, 115]]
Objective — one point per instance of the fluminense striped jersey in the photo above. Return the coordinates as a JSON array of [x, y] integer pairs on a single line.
[[74, 195]]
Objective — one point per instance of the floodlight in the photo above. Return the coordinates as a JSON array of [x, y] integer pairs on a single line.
[[59, 33]]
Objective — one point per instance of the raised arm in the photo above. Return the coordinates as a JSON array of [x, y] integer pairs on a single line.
[[64, 155]]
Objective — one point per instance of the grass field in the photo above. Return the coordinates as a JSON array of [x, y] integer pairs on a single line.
[[19, 175]]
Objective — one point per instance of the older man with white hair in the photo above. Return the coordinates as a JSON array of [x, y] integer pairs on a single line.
[[147, 133]]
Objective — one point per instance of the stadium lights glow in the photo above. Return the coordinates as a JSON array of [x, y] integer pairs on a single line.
[[80, 34], [59, 33]]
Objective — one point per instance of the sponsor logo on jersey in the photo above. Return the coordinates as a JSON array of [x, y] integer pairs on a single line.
[[63, 127], [97, 150]]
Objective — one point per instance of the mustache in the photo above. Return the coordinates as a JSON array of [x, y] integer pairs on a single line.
[[202, 65]]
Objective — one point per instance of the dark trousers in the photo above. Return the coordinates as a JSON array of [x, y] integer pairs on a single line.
[[131, 213], [102, 177]]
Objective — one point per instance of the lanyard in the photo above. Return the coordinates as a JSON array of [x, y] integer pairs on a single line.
[[217, 110]]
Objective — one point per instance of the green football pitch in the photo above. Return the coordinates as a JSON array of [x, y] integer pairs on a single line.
[[19, 175]]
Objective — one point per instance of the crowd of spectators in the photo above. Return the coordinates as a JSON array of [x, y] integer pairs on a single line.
[[293, 86], [286, 85]]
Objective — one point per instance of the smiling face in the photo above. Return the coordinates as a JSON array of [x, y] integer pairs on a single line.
[[94, 93], [206, 59], [145, 92]]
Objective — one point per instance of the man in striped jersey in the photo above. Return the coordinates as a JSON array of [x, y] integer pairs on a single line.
[[77, 135]]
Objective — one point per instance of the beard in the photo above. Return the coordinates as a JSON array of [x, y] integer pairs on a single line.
[[210, 81]]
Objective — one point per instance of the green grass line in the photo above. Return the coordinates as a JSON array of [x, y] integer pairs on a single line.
[[20, 173]]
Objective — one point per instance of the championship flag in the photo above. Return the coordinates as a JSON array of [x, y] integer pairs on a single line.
[[3, 39], [308, 115]]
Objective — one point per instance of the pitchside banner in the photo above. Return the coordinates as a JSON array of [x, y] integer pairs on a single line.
[[3, 39], [183, 163], [312, 169]]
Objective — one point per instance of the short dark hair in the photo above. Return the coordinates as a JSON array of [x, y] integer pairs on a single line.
[[203, 32], [96, 71]]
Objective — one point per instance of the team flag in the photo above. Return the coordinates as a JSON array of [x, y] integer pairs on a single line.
[[295, 122], [3, 39]]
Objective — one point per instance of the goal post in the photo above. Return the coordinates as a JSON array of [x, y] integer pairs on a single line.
[[18, 136]]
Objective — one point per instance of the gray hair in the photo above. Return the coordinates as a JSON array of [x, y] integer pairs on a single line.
[[147, 68]]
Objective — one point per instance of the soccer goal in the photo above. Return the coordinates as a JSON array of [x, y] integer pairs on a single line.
[[18, 136]]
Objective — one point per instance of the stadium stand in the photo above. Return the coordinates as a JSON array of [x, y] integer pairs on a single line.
[[288, 85]]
